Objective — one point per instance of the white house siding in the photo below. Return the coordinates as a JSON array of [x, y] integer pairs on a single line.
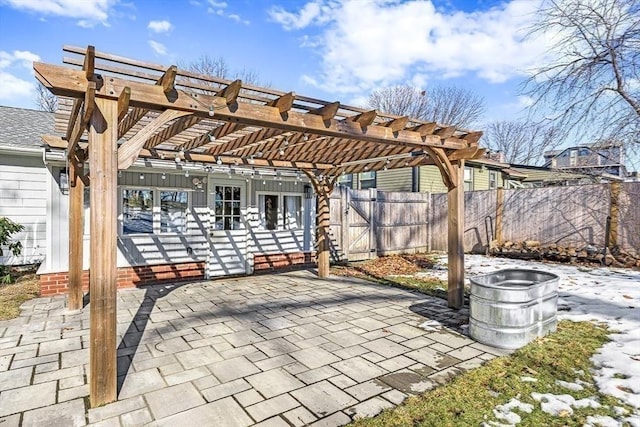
[[280, 241], [197, 243], [23, 199], [138, 249]]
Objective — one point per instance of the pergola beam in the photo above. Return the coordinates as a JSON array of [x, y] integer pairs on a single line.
[[64, 82]]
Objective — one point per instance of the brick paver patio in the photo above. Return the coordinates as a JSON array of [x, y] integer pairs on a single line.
[[275, 350]]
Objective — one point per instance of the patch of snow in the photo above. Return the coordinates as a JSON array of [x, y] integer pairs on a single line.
[[555, 404], [505, 412], [570, 386], [634, 420], [601, 420], [431, 325], [606, 295], [528, 379]]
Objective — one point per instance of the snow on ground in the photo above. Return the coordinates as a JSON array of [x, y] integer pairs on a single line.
[[608, 295]]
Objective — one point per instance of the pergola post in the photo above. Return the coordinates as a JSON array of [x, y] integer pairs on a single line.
[[455, 248], [76, 222], [322, 232], [103, 162]]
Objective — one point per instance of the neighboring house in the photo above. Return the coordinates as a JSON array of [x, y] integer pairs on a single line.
[[479, 174], [24, 179], [540, 176], [175, 220], [602, 159]]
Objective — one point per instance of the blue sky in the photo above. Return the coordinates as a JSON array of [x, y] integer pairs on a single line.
[[330, 49]]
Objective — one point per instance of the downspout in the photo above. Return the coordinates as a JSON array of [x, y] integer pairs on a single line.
[[415, 179]]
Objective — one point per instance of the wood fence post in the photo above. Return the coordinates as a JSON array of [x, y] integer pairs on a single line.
[[499, 215], [455, 231], [76, 232], [373, 227], [103, 162], [614, 211]]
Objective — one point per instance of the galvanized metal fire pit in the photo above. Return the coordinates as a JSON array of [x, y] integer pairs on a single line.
[[510, 308]]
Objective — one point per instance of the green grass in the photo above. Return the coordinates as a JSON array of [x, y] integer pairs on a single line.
[[469, 399], [14, 294]]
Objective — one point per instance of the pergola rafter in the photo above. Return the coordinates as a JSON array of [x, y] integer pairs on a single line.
[[134, 109]]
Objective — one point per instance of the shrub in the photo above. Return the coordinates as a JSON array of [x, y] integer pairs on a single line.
[[7, 229]]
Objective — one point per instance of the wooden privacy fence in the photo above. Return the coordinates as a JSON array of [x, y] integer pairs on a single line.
[[568, 216], [367, 223]]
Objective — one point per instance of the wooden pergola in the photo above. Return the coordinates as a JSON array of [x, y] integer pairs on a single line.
[[131, 109]]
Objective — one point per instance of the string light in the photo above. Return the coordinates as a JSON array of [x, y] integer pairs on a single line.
[[219, 161], [251, 160], [211, 112], [186, 174], [141, 176], [211, 137], [164, 175], [119, 174]]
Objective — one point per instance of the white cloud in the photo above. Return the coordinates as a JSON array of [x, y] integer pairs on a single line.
[[238, 19], [160, 26], [217, 4], [18, 57], [88, 12], [292, 20], [14, 88], [389, 41], [157, 47]]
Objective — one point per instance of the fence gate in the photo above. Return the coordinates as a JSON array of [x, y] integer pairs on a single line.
[[359, 217]]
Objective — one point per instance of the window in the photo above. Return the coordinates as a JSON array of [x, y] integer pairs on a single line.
[[227, 214], [280, 212], [367, 180], [292, 212], [493, 180], [137, 211], [149, 211], [173, 211], [468, 179], [346, 180], [269, 211]]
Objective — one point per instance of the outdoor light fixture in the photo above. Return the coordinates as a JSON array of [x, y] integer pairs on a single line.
[[211, 112], [63, 179]]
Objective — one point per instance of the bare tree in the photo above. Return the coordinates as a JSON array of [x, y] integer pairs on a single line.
[[218, 67], [447, 105], [45, 100], [590, 82], [520, 142]]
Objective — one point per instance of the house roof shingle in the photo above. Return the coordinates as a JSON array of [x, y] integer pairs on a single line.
[[21, 128]]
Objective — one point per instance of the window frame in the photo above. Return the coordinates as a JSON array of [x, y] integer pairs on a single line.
[[493, 174], [465, 180], [242, 201], [156, 213], [281, 219], [361, 179]]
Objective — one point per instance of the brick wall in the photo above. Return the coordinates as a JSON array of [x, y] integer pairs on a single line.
[[128, 277], [263, 262]]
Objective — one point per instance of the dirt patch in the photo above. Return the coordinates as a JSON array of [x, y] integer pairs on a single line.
[[393, 265], [13, 295]]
